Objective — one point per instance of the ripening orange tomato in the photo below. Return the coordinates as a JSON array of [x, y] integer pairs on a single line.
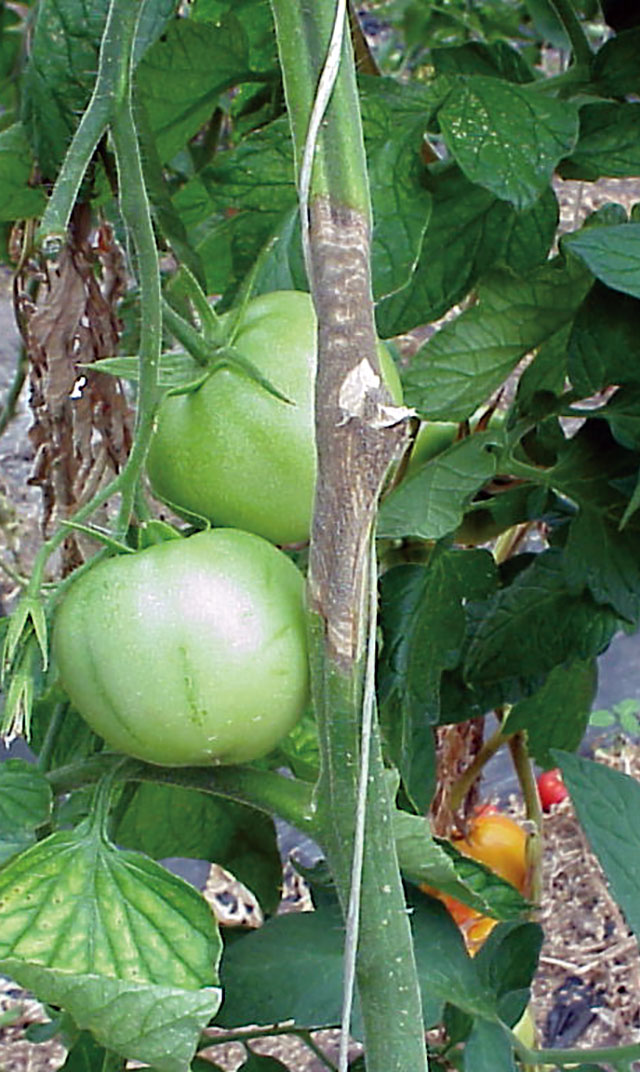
[[497, 841]]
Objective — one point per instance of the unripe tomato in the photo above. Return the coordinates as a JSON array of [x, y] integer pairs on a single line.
[[551, 788], [234, 453], [190, 652], [497, 841]]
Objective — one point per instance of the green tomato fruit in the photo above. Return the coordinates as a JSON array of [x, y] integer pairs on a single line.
[[190, 652], [234, 453]]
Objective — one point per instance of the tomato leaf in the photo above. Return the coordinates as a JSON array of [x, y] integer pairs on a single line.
[[470, 357], [423, 625], [18, 200], [513, 637], [25, 803], [607, 804], [182, 75], [608, 142], [612, 254], [488, 1049], [556, 716], [430, 503], [604, 346], [165, 820], [128, 950], [507, 138]]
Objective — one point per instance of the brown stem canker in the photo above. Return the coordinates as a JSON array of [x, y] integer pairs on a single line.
[[358, 429]]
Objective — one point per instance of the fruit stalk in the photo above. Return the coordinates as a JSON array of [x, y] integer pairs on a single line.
[[357, 437]]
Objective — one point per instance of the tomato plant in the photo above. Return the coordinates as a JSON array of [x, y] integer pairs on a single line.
[[191, 651], [237, 455], [151, 210], [551, 788]]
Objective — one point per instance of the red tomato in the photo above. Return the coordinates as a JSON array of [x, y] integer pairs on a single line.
[[551, 788]]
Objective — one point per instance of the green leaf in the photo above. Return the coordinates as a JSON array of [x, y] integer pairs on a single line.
[[607, 804], [488, 1049], [507, 962], [423, 626], [465, 236], [507, 138], [615, 67], [430, 503], [85, 1055], [608, 142], [545, 375], [258, 1063], [469, 357], [622, 413], [127, 949], [514, 635], [165, 820], [25, 804], [182, 75], [63, 61], [604, 345], [557, 715], [289, 969], [59, 77], [605, 560], [547, 23], [159, 1025], [445, 970], [256, 20], [498, 59], [530, 235], [17, 199], [611, 253]]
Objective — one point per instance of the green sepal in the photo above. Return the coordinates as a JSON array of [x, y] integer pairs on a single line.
[[153, 532], [102, 536], [16, 717], [185, 284], [31, 608]]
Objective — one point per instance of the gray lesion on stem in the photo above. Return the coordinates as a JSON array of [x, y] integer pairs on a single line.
[[358, 430]]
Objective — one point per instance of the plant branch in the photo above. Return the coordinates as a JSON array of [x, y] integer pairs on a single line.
[[569, 1058], [267, 791], [524, 771], [466, 780], [582, 53], [136, 213], [110, 89]]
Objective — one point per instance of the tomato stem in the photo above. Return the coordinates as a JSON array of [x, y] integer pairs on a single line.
[[526, 778], [111, 87], [579, 42]]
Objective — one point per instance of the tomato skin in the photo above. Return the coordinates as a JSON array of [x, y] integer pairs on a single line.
[[497, 841], [551, 788], [192, 651], [235, 454]]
